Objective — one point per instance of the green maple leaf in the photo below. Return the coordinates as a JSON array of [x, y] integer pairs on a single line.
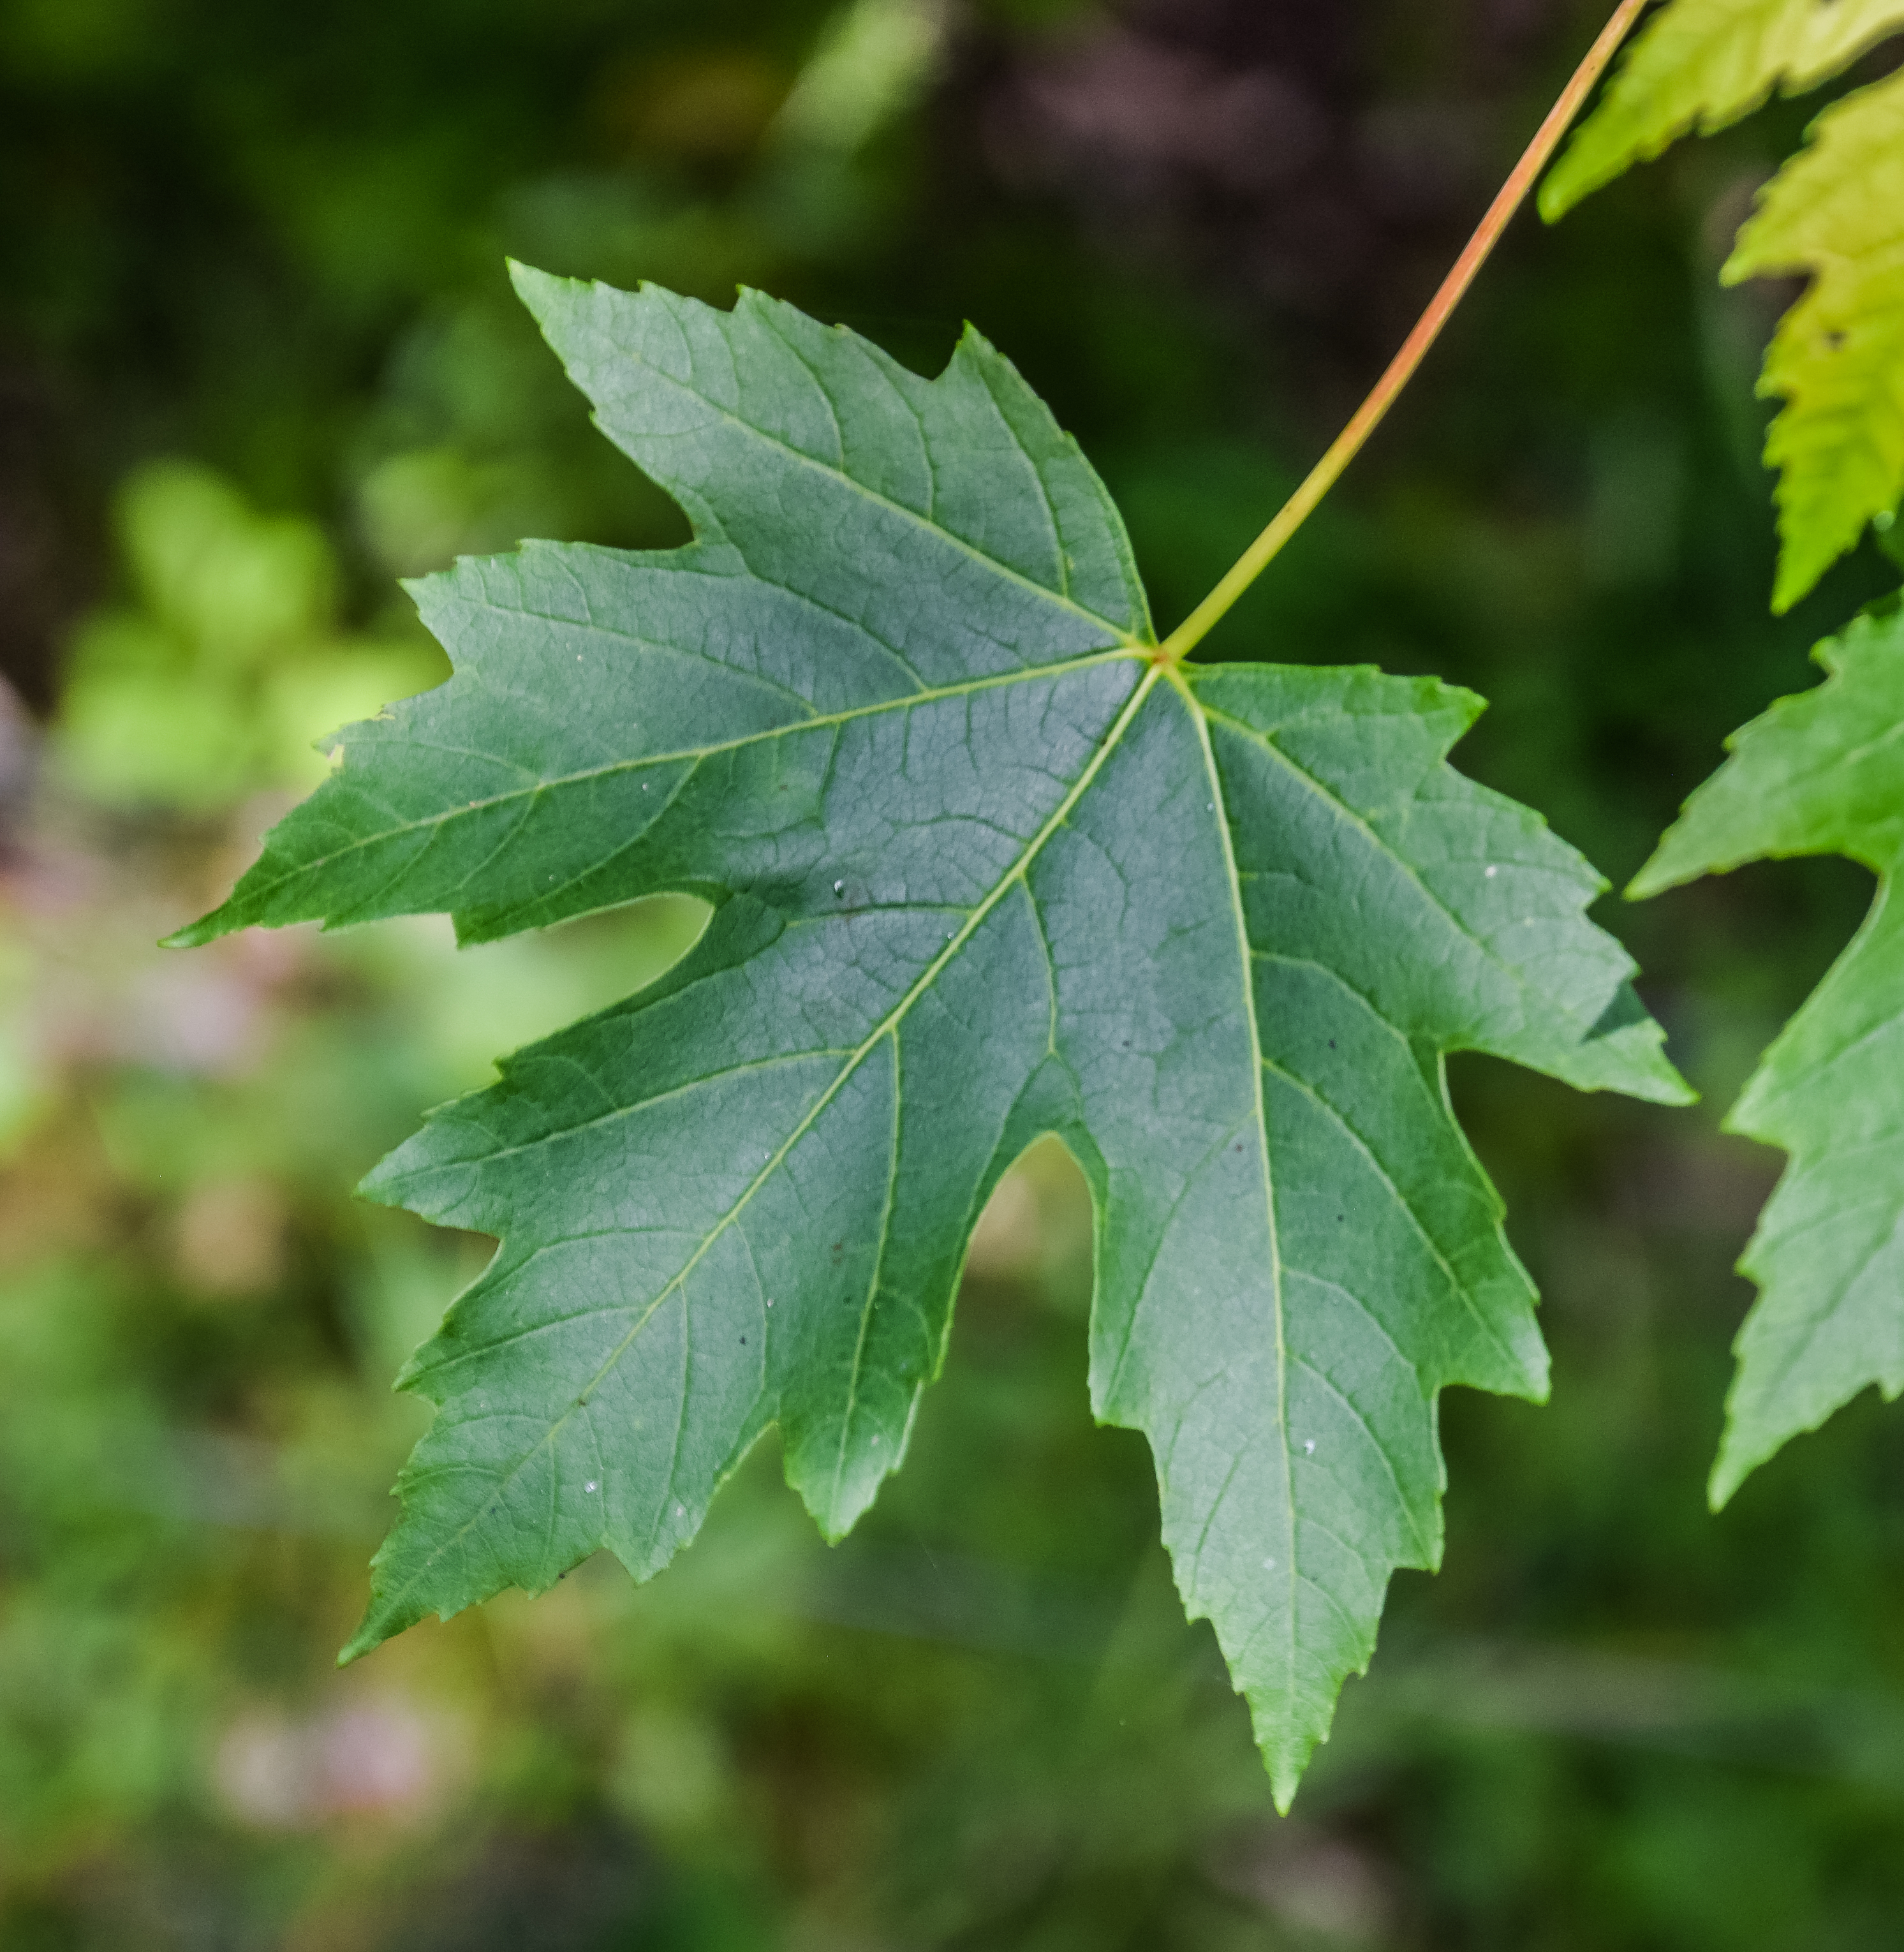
[[1702, 64], [986, 863], [1822, 773], [1835, 211]]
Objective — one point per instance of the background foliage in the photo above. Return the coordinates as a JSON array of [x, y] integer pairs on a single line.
[[258, 354]]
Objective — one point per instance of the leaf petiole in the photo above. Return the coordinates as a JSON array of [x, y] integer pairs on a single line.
[[1368, 416]]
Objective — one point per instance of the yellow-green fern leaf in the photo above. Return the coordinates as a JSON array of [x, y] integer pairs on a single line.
[[1836, 210], [1703, 63]]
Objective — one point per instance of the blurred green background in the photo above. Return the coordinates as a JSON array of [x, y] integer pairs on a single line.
[[257, 360]]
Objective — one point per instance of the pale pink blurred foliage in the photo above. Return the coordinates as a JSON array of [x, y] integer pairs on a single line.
[[380, 1757], [1320, 1888], [84, 913], [1121, 99], [1241, 145]]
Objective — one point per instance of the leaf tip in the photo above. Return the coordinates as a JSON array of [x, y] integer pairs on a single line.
[[383, 1185], [1660, 872], [539, 290], [1660, 1082], [1587, 164], [1287, 1764], [367, 1639], [522, 275], [1741, 1449], [1557, 193], [207, 928], [1798, 577], [1287, 1744]]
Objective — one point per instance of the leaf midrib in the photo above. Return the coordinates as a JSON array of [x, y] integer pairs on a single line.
[[690, 754], [1200, 717]]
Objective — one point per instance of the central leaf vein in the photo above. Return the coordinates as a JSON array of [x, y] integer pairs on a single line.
[[689, 755]]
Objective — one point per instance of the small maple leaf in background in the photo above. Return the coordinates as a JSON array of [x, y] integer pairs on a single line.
[[1836, 211], [1822, 773]]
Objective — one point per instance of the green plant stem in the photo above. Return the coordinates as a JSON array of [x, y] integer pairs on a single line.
[[1368, 416]]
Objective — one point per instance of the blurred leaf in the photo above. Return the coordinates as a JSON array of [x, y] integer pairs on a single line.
[[230, 671], [1836, 211], [872, 62], [985, 865], [138, 738], [230, 586], [1822, 773], [23, 1085], [1703, 64]]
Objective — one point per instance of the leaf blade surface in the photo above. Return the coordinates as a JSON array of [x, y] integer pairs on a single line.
[[1835, 212], [983, 866], [1821, 773], [1703, 64]]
